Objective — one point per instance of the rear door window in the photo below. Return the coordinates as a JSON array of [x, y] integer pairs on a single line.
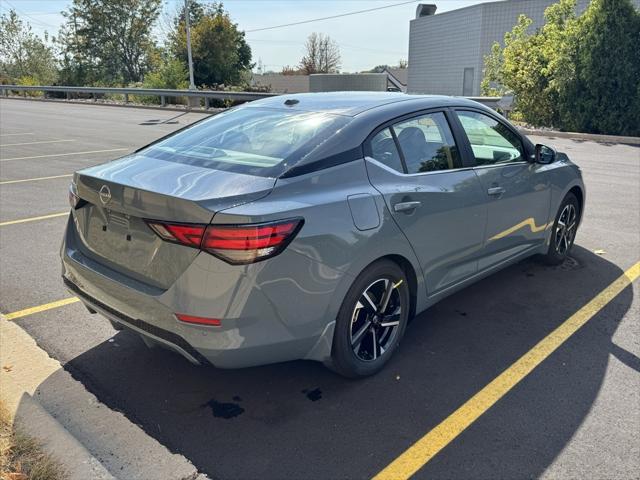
[[427, 143]]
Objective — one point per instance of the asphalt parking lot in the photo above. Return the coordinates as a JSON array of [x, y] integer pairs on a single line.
[[576, 415]]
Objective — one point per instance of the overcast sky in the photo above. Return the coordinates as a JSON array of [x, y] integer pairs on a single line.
[[366, 39]]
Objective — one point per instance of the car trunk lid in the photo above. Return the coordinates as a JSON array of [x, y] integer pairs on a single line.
[[117, 198]]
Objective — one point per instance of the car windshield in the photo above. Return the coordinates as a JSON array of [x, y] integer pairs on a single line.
[[251, 140]]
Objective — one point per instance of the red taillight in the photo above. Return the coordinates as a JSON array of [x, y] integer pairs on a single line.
[[183, 233], [198, 320], [240, 244], [236, 244]]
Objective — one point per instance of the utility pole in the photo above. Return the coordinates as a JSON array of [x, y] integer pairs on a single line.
[[192, 85]]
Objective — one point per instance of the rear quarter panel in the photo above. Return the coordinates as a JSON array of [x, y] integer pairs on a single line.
[[329, 236]]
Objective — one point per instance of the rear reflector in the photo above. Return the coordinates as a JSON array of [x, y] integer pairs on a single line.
[[235, 244], [198, 320]]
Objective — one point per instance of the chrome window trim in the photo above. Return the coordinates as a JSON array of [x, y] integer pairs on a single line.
[[497, 165]]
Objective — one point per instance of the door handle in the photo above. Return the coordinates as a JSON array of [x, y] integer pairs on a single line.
[[406, 206], [496, 191]]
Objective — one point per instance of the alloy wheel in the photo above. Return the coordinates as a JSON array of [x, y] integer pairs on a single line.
[[376, 319], [566, 229]]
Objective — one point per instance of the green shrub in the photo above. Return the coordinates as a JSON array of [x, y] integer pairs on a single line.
[[574, 73], [30, 81], [170, 74]]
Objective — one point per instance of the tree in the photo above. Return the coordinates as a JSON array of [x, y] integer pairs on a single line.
[[492, 84], [322, 55], [379, 69], [170, 73], [601, 92], [221, 54], [574, 73], [289, 70], [525, 66], [402, 64], [24, 57], [109, 41]]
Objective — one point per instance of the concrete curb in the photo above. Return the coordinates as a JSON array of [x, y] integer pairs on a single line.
[[36, 422], [88, 438], [582, 136]]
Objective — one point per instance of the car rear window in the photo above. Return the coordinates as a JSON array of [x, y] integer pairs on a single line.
[[249, 140]]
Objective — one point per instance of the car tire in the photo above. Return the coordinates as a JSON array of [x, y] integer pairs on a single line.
[[564, 231], [364, 340]]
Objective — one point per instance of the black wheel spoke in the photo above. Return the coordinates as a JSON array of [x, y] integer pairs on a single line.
[[374, 344], [368, 303], [386, 297], [392, 319], [357, 338]]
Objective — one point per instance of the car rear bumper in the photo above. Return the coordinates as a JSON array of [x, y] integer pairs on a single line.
[[272, 311]]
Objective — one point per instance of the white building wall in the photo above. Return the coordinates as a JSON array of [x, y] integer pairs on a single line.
[[440, 47]]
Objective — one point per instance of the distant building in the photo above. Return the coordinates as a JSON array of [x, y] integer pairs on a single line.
[[279, 83], [447, 50], [394, 79], [338, 82]]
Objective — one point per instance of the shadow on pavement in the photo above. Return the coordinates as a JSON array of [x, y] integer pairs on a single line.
[[298, 419]]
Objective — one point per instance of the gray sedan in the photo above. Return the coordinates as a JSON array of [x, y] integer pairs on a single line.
[[312, 226]]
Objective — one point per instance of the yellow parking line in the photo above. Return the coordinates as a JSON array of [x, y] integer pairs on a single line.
[[33, 219], [429, 445], [64, 154], [36, 143], [40, 308], [7, 182], [14, 134]]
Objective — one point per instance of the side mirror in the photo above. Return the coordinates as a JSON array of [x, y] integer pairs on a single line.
[[544, 154]]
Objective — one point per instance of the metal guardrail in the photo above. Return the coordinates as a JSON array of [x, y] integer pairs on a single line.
[[162, 93], [491, 102]]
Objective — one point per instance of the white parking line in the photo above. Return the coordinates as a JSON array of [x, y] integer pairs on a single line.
[[34, 219], [35, 143], [7, 182], [64, 154], [14, 134]]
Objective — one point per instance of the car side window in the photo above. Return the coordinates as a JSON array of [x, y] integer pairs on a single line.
[[427, 143], [491, 141], [383, 149]]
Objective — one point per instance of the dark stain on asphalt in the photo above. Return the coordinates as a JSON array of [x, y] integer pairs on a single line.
[[224, 410], [461, 313], [313, 395], [236, 398]]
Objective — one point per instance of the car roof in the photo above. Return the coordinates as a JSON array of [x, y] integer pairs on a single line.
[[353, 103]]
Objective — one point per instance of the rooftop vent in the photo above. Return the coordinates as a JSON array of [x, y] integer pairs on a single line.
[[425, 10]]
